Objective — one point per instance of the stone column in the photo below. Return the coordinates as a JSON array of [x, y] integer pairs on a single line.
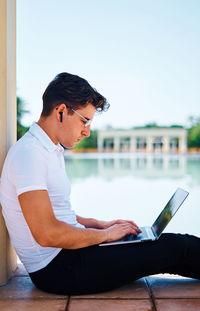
[[133, 144], [100, 143], [149, 144], [116, 144], [8, 124], [165, 147], [183, 144]]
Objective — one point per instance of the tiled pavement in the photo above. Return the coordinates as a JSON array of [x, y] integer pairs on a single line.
[[161, 293]]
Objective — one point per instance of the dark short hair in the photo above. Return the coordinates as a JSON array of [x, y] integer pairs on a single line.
[[74, 92]]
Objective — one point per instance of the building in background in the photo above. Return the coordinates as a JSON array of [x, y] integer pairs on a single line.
[[166, 140]]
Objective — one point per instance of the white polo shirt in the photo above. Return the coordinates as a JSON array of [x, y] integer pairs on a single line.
[[34, 163]]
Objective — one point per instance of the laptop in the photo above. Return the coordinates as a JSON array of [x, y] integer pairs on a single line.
[[153, 233]]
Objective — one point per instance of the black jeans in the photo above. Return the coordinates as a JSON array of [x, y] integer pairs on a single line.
[[95, 269]]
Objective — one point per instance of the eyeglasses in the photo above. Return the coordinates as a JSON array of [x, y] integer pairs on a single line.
[[88, 122]]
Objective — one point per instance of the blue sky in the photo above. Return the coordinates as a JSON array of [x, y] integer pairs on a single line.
[[143, 55]]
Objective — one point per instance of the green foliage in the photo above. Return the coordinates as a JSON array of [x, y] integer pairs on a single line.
[[193, 121], [151, 125], [88, 142], [21, 129], [155, 125], [176, 126], [194, 136]]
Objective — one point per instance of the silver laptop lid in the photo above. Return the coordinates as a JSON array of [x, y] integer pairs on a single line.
[[169, 211]]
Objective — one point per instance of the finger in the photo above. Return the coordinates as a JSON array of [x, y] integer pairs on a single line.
[[132, 222], [128, 221], [132, 231], [135, 227], [138, 229], [126, 229]]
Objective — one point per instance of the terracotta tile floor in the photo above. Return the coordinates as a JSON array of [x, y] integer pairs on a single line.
[[154, 293]]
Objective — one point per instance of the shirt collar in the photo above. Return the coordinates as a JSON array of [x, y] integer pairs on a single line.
[[36, 131]]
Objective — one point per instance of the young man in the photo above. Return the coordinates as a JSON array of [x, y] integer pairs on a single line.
[[58, 248]]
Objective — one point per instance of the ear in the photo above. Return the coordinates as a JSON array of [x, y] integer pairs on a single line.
[[61, 108], [61, 116]]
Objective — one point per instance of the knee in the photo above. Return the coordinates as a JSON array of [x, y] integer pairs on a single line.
[[176, 243]]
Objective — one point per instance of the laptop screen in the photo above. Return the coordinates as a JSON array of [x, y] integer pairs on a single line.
[[169, 211]]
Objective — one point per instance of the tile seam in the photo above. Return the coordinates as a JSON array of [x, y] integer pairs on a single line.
[[33, 298], [109, 298], [152, 298], [177, 298], [67, 304]]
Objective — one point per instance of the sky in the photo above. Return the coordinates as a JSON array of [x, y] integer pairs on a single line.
[[142, 55]]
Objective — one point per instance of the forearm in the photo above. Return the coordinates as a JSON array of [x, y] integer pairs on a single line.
[[89, 222], [63, 235]]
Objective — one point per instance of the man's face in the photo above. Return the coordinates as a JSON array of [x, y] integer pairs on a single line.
[[72, 128]]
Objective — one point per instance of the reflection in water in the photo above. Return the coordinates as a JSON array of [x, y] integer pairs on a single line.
[[135, 186], [193, 169], [109, 163], [142, 166], [81, 168]]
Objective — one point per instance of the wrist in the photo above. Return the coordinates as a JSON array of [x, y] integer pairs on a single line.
[[105, 235], [98, 224]]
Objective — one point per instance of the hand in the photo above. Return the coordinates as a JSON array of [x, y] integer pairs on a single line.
[[107, 224], [119, 230]]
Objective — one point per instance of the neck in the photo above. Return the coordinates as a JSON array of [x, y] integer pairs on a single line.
[[48, 127]]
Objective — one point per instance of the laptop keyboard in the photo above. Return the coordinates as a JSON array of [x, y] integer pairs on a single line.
[[139, 236]]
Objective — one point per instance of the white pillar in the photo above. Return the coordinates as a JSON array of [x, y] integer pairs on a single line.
[[183, 144], [116, 144], [133, 144], [100, 143], [149, 144], [8, 126], [165, 147]]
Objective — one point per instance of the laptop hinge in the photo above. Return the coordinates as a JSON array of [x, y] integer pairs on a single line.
[[154, 232]]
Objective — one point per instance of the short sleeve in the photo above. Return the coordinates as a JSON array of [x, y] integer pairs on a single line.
[[28, 170]]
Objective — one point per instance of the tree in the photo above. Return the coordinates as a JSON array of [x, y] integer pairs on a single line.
[[194, 136], [88, 142], [21, 129], [151, 125]]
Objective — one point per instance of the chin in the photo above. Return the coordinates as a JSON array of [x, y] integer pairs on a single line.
[[70, 146]]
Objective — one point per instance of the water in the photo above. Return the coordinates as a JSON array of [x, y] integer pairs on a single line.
[[135, 186]]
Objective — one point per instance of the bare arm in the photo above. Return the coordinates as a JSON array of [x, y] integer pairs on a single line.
[[89, 222], [50, 232]]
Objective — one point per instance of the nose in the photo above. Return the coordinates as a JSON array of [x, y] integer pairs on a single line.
[[86, 131]]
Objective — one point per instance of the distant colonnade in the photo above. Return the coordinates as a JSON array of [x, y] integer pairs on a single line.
[[164, 140]]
